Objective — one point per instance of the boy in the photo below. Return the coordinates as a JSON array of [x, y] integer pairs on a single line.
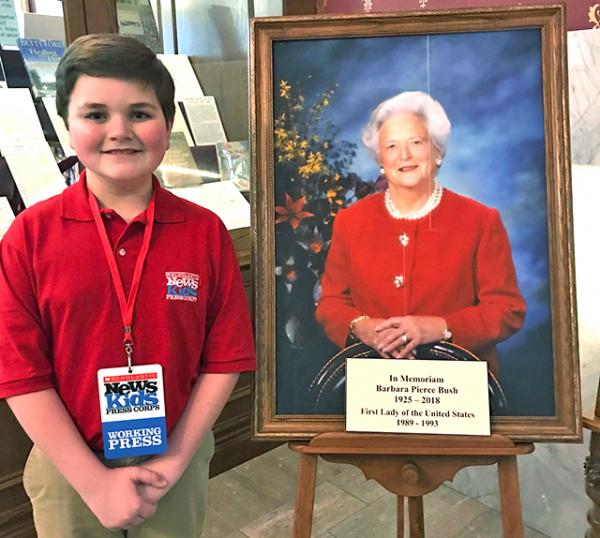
[[117, 269]]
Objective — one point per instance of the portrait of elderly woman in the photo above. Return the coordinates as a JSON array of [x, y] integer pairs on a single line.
[[413, 217], [415, 262]]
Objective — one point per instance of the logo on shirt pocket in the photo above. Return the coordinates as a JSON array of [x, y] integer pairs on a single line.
[[182, 286]]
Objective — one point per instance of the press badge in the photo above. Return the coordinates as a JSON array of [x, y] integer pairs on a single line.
[[132, 410]]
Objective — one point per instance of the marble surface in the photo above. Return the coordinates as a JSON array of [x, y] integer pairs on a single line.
[[552, 481], [584, 95], [256, 500]]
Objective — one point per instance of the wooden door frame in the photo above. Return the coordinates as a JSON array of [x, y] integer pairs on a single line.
[[89, 17]]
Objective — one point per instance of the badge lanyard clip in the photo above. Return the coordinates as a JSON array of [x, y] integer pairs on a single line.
[[129, 353]]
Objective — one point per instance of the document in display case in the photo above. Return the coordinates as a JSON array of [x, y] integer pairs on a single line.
[[20, 122], [234, 162], [59, 125], [41, 58], [6, 215], [204, 120], [178, 168], [9, 28], [222, 198], [136, 19], [34, 170], [186, 82], [40, 26]]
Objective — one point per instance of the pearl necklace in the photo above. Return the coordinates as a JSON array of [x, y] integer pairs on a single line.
[[432, 202]]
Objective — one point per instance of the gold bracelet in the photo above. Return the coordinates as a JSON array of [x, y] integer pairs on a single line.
[[354, 323]]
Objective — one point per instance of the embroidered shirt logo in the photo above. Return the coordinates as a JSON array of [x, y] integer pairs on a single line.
[[182, 286]]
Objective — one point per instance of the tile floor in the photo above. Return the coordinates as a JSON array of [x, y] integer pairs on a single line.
[[256, 500]]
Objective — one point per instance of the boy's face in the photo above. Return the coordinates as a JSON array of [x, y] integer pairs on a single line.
[[118, 130]]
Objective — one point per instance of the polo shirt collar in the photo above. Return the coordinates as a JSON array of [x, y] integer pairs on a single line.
[[75, 205]]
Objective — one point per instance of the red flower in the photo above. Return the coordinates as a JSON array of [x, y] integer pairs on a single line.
[[292, 212], [316, 246], [291, 275]]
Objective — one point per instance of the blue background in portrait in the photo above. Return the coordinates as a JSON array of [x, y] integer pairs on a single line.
[[490, 86]]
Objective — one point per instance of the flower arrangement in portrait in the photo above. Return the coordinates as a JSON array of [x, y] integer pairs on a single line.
[[313, 182]]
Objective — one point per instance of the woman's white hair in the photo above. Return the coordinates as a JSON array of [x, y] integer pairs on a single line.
[[420, 103]]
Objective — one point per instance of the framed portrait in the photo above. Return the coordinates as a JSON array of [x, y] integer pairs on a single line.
[[490, 247]]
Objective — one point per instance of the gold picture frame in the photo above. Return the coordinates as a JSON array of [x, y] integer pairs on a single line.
[[295, 46]]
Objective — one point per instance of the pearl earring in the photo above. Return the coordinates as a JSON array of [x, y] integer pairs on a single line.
[[438, 162], [381, 170]]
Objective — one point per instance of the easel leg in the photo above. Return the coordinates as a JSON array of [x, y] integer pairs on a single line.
[[400, 516], [415, 514], [510, 499], [305, 495]]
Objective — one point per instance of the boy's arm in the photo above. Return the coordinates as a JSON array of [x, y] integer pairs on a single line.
[[208, 397], [228, 343], [111, 494]]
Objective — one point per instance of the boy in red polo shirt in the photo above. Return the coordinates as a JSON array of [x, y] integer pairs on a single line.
[[105, 290]]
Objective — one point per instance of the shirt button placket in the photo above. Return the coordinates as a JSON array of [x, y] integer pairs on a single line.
[[403, 239]]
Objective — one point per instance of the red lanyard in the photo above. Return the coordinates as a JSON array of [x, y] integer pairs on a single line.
[[126, 305]]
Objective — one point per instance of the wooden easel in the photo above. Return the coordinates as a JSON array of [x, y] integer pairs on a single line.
[[411, 466]]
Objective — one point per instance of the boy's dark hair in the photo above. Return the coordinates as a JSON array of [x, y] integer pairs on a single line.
[[113, 56]]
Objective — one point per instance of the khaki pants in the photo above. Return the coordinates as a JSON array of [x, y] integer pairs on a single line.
[[59, 512]]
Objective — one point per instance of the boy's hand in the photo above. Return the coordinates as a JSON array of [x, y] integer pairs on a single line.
[[151, 494], [208, 397], [164, 466], [115, 500]]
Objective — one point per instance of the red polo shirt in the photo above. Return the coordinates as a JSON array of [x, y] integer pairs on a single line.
[[59, 315]]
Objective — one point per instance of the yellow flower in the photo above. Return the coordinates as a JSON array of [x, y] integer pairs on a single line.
[[289, 146], [315, 138], [284, 89], [304, 144], [314, 164], [280, 133], [594, 15]]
